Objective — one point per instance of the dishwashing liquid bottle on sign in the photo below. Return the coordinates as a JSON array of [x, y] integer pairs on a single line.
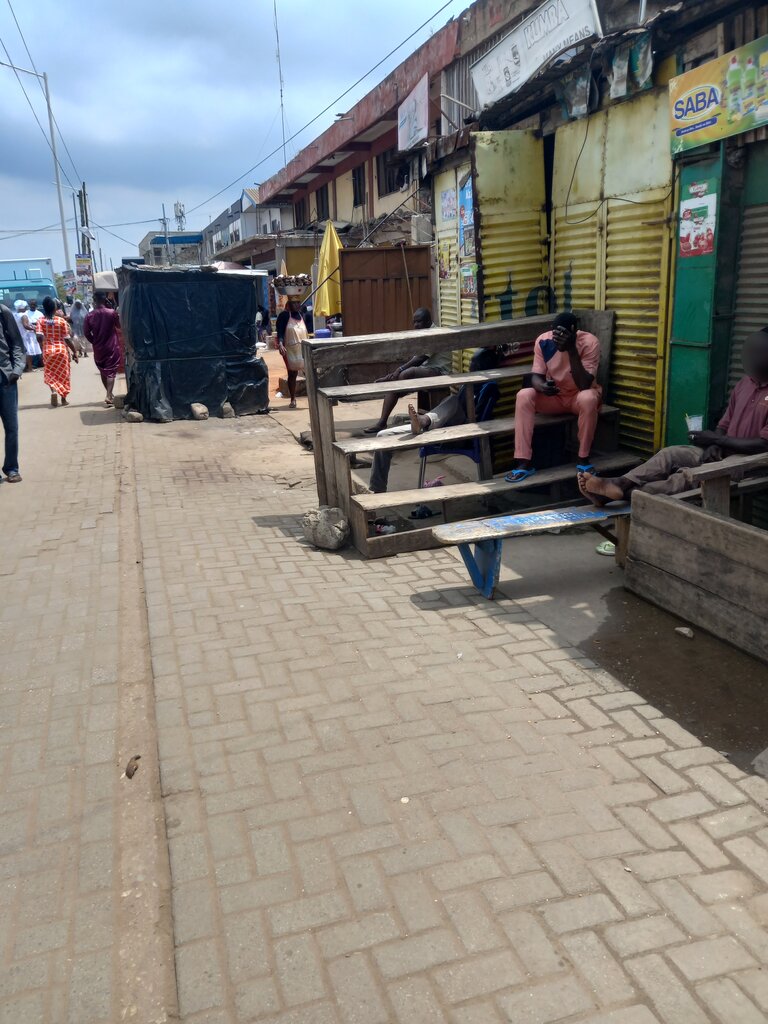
[[733, 89]]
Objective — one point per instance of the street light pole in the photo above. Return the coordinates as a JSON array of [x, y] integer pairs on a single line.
[[65, 240]]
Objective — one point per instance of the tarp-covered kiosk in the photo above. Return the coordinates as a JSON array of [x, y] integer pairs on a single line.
[[190, 336]]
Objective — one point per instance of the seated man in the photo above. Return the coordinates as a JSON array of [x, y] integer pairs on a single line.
[[565, 362], [423, 365], [450, 412], [743, 430]]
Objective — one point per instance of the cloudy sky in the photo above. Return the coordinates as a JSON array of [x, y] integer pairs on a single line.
[[159, 100]]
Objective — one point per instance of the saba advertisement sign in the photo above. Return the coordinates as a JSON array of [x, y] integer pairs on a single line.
[[723, 97]]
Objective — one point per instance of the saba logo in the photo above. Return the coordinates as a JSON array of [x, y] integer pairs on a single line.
[[696, 102]]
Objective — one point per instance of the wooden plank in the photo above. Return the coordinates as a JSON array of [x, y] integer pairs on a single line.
[[706, 567], [730, 465], [364, 392], [400, 543], [318, 452], [326, 433], [622, 540], [745, 544], [474, 531], [343, 482], [716, 495], [397, 345], [461, 432], [742, 627], [489, 488]]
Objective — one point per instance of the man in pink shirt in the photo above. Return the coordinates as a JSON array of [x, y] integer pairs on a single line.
[[565, 362], [743, 430]]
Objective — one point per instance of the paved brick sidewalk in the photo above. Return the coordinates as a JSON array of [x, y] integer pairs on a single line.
[[385, 799], [390, 801]]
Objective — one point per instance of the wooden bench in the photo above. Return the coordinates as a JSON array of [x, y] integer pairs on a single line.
[[488, 535], [344, 450], [487, 497], [700, 564], [400, 346]]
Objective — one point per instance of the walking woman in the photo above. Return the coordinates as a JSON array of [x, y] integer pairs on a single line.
[[57, 346], [28, 335], [100, 329], [291, 331]]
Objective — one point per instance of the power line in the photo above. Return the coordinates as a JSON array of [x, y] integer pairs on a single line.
[[52, 228], [42, 90], [12, 66], [325, 109]]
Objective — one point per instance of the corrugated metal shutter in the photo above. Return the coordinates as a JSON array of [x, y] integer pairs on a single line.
[[576, 245], [447, 250], [751, 306], [636, 266]]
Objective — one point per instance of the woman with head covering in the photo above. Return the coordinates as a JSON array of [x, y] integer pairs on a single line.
[[291, 331], [57, 345], [28, 335], [100, 328]]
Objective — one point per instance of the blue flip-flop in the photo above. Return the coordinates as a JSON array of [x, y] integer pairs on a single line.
[[517, 476], [585, 467]]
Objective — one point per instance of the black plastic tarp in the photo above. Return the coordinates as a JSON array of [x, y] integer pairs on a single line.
[[190, 336]]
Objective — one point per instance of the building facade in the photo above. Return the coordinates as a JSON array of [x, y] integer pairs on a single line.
[[182, 248]]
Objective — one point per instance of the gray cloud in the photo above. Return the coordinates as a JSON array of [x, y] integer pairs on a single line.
[[161, 100]]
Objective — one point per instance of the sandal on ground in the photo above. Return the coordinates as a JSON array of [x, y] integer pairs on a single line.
[[517, 476], [108, 404], [606, 548], [292, 404]]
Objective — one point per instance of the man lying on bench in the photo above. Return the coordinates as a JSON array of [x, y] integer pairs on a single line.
[[451, 412], [563, 380], [743, 430]]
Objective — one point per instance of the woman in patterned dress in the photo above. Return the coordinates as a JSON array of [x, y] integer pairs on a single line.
[[57, 345]]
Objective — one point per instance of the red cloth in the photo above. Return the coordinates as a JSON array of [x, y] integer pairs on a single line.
[[55, 354], [747, 412], [101, 330]]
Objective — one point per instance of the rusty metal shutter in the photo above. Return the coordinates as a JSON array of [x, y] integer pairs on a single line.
[[751, 305], [636, 278], [576, 246]]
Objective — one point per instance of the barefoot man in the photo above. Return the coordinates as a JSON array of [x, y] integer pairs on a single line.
[[743, 430]]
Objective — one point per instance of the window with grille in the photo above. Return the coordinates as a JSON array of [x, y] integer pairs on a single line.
[[358, 186], [386, 172], [321, 198]]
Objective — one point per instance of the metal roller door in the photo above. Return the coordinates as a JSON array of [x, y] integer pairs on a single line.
[[751, 303]]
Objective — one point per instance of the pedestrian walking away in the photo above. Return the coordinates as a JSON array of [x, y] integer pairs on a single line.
[[57, 346], [291, 331], [12, 361], [742, 430], [26, 327], [77, 316], [101, 330]]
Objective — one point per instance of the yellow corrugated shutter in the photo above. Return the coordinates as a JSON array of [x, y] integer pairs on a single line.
[[444, 203], [636, 277], [611, 247]]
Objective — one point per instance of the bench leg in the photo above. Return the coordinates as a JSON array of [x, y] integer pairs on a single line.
[[483, 565]]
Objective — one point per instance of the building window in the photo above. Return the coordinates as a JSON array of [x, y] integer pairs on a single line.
[[387, 167], [300, 213], [321, 198], [157, 253], [358, 186]]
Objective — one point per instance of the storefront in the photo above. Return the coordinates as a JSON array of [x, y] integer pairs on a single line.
[[718, 122]]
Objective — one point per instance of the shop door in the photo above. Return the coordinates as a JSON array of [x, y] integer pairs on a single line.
[[445, 205], [612, 238]]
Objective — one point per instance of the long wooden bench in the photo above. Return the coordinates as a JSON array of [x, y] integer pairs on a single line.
[[344, 449], [486, 497]]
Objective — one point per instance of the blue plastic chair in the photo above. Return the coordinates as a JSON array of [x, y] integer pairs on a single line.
[[485, 403]]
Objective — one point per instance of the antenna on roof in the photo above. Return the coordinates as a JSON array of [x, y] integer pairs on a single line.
[[181, 217]]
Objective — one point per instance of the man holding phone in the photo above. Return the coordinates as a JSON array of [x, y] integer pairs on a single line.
[[565, 362]]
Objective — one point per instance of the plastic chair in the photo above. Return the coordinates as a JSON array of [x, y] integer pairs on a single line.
[[485, 403]]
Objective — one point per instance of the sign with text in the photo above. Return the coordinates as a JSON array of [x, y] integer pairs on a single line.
[[413, 117], [723, 97], [555, 26]]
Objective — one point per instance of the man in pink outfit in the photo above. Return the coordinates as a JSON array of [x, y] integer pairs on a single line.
[[565, 362]]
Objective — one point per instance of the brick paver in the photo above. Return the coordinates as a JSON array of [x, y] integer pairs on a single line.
[[385, 798]]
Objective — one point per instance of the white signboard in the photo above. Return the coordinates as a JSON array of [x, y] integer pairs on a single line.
[[413, 117], [555, 26]]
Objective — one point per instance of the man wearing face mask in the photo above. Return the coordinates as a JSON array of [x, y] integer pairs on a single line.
[[565, 362]]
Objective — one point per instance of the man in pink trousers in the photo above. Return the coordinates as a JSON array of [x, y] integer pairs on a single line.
[[565, 362]]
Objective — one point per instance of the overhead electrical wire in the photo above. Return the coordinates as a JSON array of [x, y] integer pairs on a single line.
[[325, 109], [42, 90]]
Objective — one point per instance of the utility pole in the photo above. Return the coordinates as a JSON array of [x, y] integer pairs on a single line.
[[77, 233], [167, 245], [86, 223], [68, 262]]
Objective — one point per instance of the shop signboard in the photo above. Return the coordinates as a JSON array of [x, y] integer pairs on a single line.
[[555, 26], [466, 221], [698, 219], [723, 97], [413, 117]]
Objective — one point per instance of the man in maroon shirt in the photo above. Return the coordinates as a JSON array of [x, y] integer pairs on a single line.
[[743, 430]]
